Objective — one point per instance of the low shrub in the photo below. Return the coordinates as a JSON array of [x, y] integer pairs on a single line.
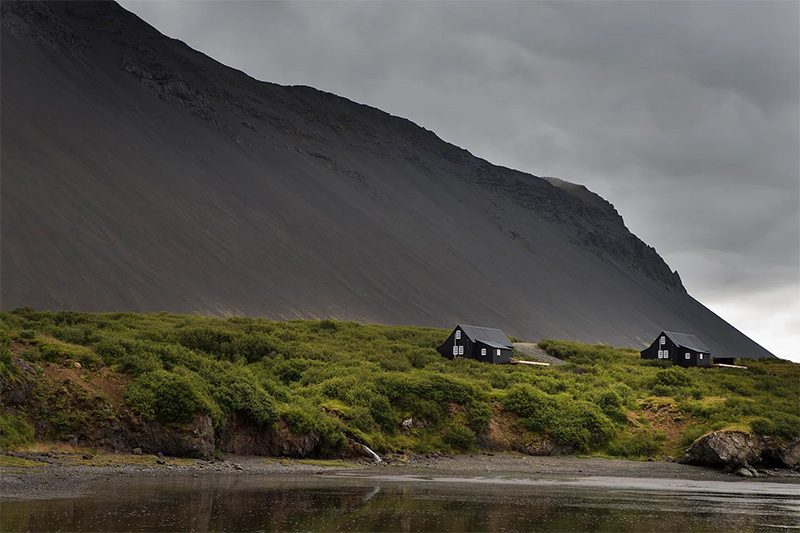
[[15, 431], [209, 339], [570, 422], [479, 415], [672, 377], [236, 390], [459, 438], [139, 363], [691, 434], [299, 421], [645, 443], [782, 425], [170, 397], [762, 426], [9, 373], [383, 413]]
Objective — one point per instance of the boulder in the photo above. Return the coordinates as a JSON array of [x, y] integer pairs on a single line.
[[733, 450], [729, 449]]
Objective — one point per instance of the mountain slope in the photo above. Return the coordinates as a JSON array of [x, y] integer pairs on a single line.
[[139, 174]]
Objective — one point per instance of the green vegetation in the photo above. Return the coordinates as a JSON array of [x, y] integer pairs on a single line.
[[18, 462], [15, 431], [343, 380]]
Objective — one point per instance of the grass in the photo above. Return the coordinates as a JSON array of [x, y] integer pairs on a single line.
[[17, 462], [341, 381], [58, 447]]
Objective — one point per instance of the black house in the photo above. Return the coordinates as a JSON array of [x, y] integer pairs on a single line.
[[679, 348], [488, 345]]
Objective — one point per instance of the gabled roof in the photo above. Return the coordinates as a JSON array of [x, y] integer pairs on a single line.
[[489, 336], [495, 345], [687, 341]]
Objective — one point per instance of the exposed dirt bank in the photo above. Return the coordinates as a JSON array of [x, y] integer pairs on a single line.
[[65, 475]]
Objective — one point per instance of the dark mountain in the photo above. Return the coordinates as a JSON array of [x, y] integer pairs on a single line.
[[139, 174]]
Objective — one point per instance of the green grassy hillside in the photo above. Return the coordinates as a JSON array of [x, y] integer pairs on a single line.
[[344, 380]]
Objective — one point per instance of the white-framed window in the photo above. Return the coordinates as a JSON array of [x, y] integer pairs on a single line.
[[662, 341], [455, 350], [458, 334], [460, 350], [688, 355], [666, 354], [700, 356], [483, 351], [498, 352]]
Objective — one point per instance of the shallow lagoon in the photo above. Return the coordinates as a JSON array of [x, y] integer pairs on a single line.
[[371, 502]]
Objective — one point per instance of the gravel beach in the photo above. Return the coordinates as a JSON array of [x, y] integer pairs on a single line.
[[59, 477]]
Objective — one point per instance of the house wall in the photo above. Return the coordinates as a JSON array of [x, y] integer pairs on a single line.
[[694, 357], [681, 355], [491, 354], [677, 354], [652, 351], [446, 349], [505, 357], [479, 353]]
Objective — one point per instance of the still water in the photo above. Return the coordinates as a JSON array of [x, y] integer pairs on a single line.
[[404, 503]]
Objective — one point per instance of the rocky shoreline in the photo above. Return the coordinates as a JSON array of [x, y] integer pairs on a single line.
[[66, 475]]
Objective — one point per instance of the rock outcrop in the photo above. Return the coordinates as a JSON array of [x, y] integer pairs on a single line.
[[735, 450], [195, 440], [731, 450], [245, 438], [781, 454]]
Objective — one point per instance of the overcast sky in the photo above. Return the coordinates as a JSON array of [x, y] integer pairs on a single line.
[[684, 115]]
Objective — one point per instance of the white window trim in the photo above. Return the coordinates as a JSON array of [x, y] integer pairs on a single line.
[[483, 351], [458, 334], [688, 355], [460, 350]]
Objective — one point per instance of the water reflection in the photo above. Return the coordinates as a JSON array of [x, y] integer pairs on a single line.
[[324, 503]]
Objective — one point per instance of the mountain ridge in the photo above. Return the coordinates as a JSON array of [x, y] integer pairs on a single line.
[[360, 206]]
